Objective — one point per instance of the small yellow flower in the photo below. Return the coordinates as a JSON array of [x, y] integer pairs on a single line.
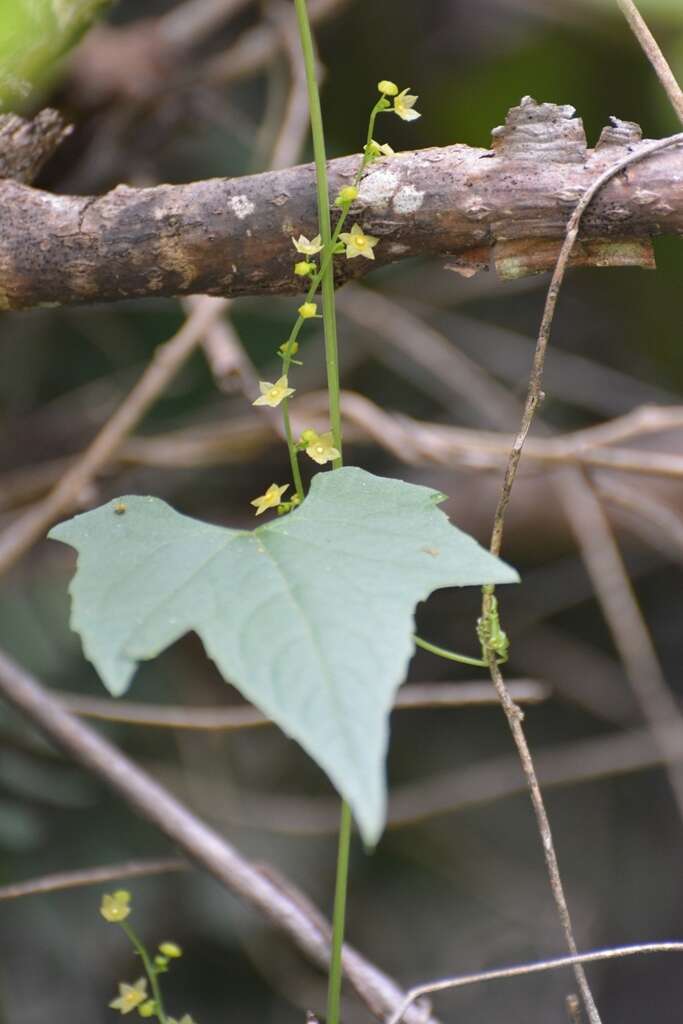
[[308, 310], [387, 88], [170, 949], [273, 394], [130, 996], [271, 499], [358, 243], [115, 906], [303, 268], [321, 448], [403, 106], [346, 195], [306, 247]]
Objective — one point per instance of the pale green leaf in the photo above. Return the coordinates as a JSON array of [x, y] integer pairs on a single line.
[[309, 616]]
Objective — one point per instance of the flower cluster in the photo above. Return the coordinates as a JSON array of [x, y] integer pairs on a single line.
[[115, 908], [321, 448]]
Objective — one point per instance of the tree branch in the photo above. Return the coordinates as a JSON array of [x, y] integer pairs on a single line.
[[508, 206]]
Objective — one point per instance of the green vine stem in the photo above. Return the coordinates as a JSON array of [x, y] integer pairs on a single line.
[[150, 971], [326, 272], [332, 363]]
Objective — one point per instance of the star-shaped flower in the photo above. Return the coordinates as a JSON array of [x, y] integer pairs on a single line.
[[271, 499], [403, 106], [358, 243], [321, 449], [273, 394], [115, 906], [130, 996], [307, 247]]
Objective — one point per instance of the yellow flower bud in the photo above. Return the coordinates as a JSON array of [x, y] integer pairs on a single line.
[[346, 195], [170, 949], [387, 88], [307, 310], [303, 268]]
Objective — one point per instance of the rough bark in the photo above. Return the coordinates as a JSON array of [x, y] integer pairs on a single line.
[[508, 205]]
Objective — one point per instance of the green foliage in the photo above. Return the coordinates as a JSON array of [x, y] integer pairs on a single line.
[[310, 616], [34, 34]]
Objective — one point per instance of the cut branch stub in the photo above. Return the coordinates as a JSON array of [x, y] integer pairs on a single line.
[[26, 145], [535, 132]]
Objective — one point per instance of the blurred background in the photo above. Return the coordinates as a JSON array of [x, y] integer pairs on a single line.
[[175, 92]]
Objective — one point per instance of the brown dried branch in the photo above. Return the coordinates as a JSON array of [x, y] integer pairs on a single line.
[[91, 876], [222, 719], [533, 968], [232, 237], [199, 842], [512, 712]]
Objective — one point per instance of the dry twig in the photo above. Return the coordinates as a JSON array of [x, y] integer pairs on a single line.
[[25, 531], [534, 397], [91, 876], [199, 842], [222, 719], [539, 965]]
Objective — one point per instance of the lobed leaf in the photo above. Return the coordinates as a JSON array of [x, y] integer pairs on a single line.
[[309, 616]]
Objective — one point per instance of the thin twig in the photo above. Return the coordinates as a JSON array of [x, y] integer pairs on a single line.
[[222, 719], [167, 360], [534, 968], [199, 842], [654, 55], [91, 876], [189, 23], [294, 127], [627, 626], [533, 399], [535, 394]]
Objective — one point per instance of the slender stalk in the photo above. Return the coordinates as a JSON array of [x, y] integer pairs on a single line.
[[149, 970], [326, 275], [339, 916], [293, 457]]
